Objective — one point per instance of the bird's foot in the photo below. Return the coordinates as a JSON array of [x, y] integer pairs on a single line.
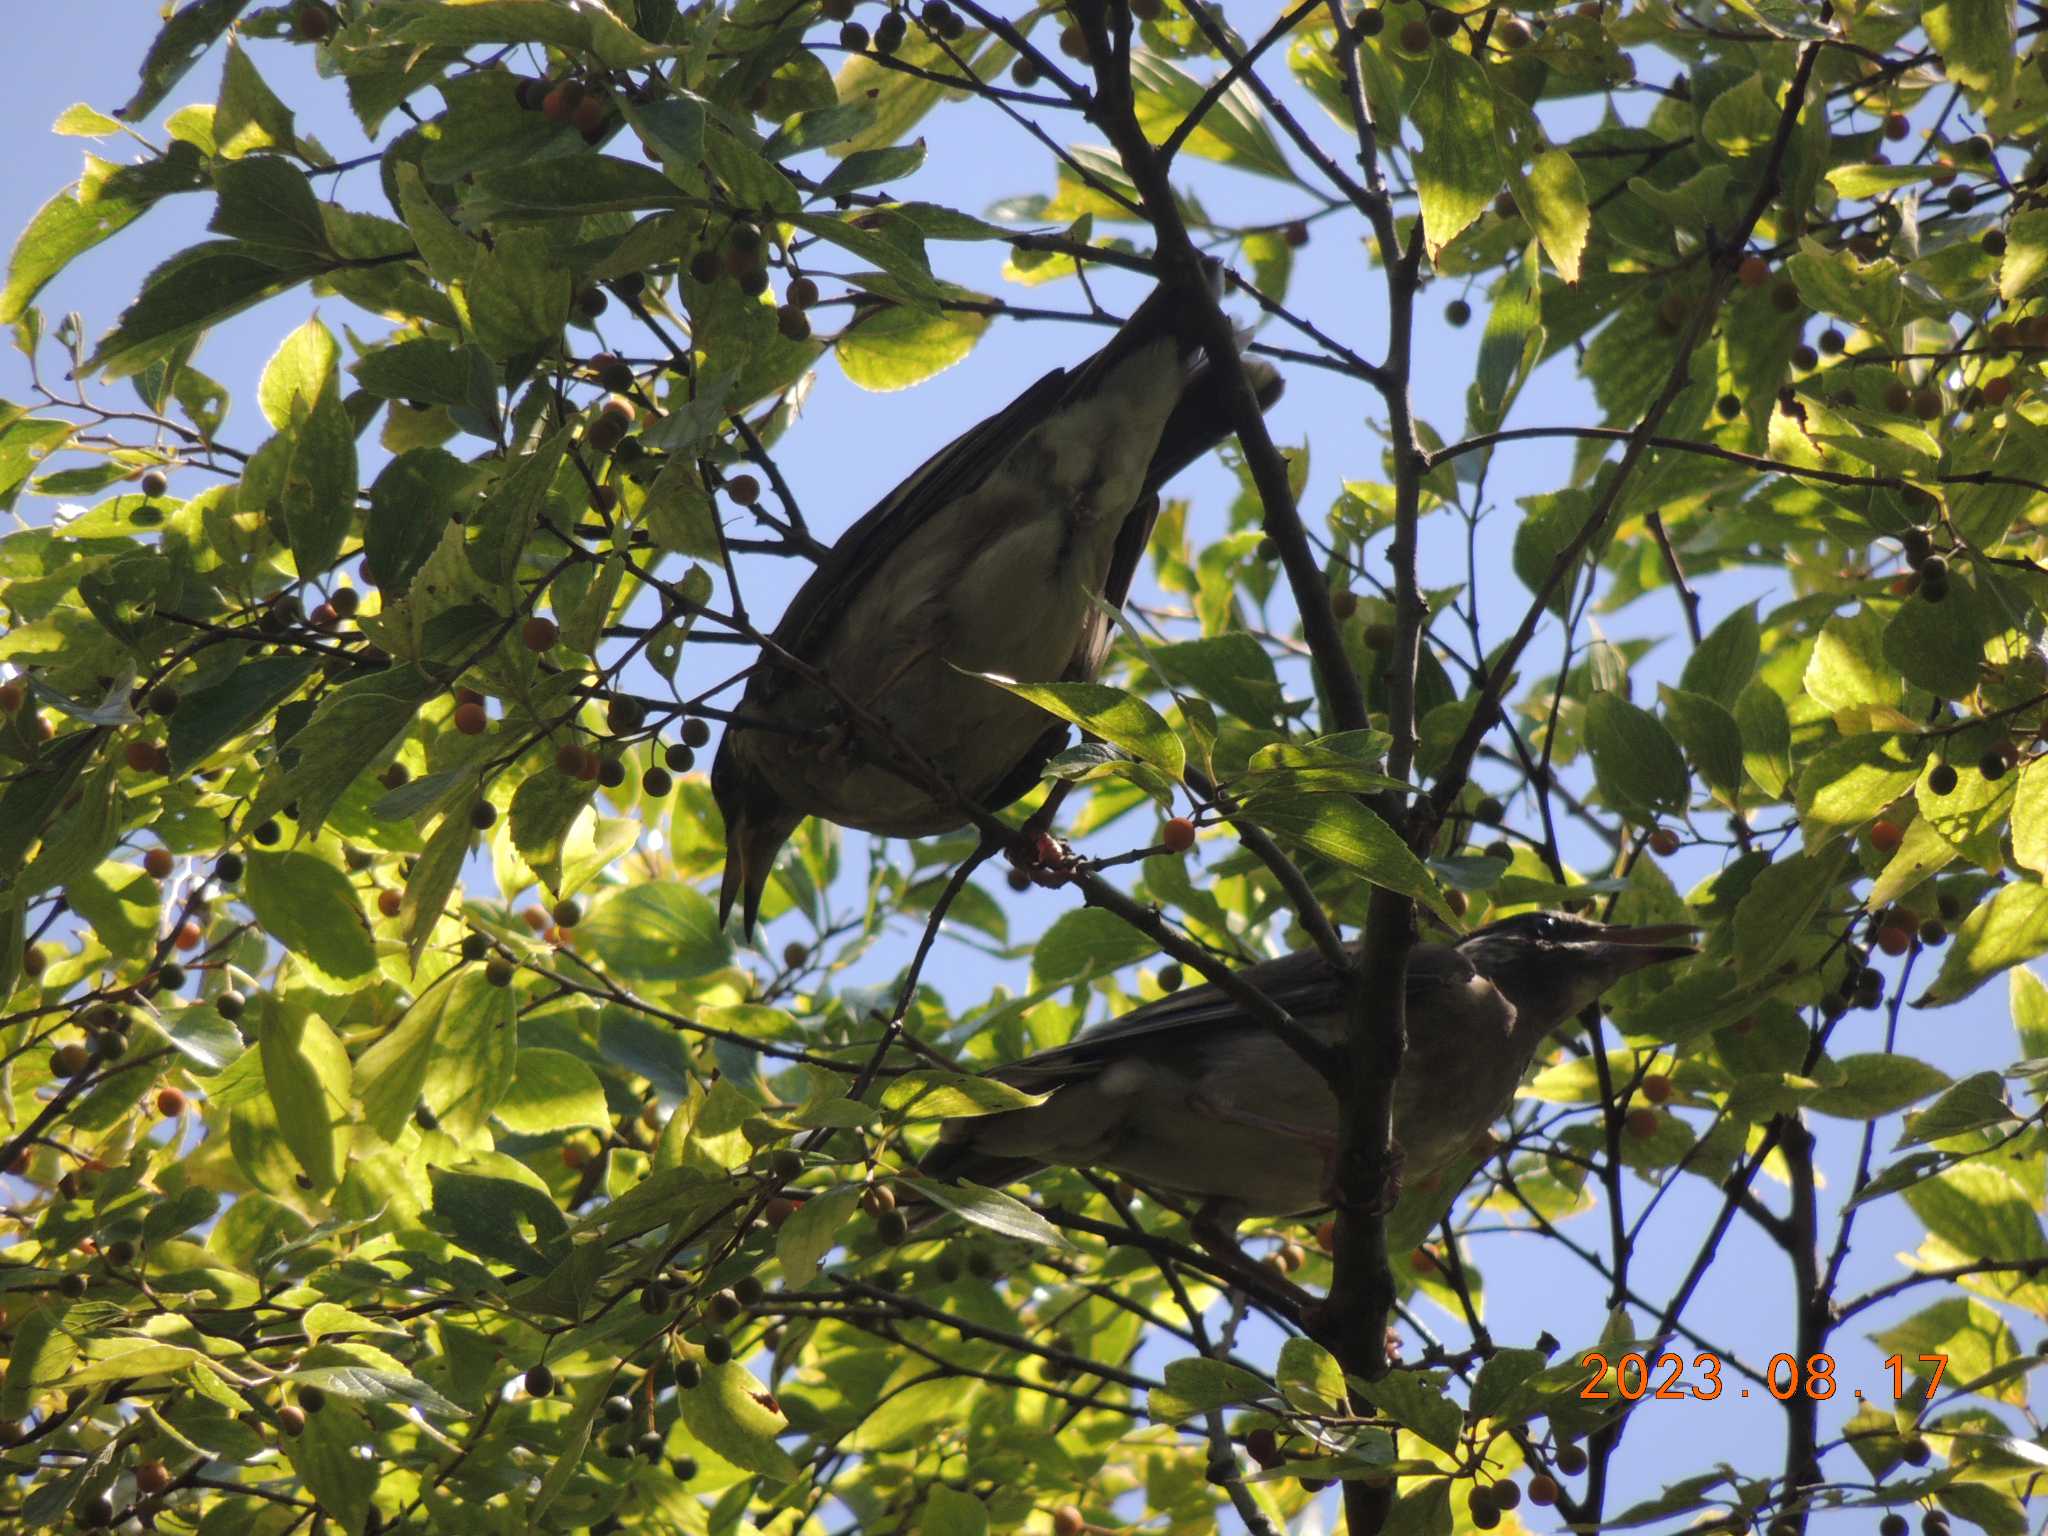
[[1379, 1204], [1045, 859]]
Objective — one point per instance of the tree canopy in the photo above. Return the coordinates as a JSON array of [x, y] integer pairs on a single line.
[[393, 1138]]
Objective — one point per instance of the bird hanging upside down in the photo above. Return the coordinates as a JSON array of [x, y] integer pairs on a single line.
[[989, 558], [1191, 1096]]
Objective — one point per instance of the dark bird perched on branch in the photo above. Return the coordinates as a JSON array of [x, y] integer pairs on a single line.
[[989, 558], [1189, 1095]]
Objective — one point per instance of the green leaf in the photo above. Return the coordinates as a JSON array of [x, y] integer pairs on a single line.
[[1119, 718], [1310, 1378], [194, 289], [811, 1232], [176, 48], [2009, 929], [1353, 836], [893, 348], [1552, 197], [489, 1215], [104, 200], [1233, 130], [1458, 170], [1779, 907], [1878, 1083], [1937, 646], [1416, 1400], [1977, 1102], [307, 1071], [1199, 1384], [929, 1095], [1766, 737], [1847, 782], [266, 201], [1976, 41], [1980, 1210], [499, 532], [249, 116], [2023, 266], [725, 1412], [1635, 760], [2030, 817], [432, 881], [1848, 666], [1725, 661], [659, 932], [354, 727], [299, 372], [551, 1091], [1711, 738], [950, 1512], [209, 718], [309, 907], [992, 1211]]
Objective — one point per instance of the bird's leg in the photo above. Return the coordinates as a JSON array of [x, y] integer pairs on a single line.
[[1390, 1192], [1215, 1228]]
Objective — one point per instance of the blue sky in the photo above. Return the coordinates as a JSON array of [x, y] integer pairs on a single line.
[[852, 446]]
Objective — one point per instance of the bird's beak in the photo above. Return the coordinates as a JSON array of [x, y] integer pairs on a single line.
[[751, 846], [1635, 949]]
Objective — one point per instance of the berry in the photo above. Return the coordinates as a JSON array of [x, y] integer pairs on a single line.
[[1542, 1490], [267, 832], [1885, 836], [893, 1227], [1992, 765], [291, 1419], [1643, 1124], [1664, 842], [1178, 835], [618, 1408], [483, 816], [170, 1103], [1753, 272], [170, 976], [1444, 23], [589, 117], [1415, 37], [1570, 1459], [1657, 1088], [1068, 1521], [1372, 21], [154, 483], [152, 1478], [471, 720], [559, 105], [1458, 313], [890, 30], [1896, 126], [539, 634], [498, 972], [744, 489], [678, 758], [1933, 933], [311, 23], [568, 912], [1507, 1495], [540, 1382], [718, 1349], [1295, 233], [1894, 1524], [695, 733], [1785, 298], [655, 783], [1941, 779], [390, 902], [792, 324], [1171, 978], [1894, 939], [158, 863]]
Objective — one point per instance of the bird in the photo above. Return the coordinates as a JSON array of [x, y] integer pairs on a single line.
[[994, 556], [1192, 1096]]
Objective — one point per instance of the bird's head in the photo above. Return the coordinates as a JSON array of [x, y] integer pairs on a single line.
[[1551, 964], [757, 823]]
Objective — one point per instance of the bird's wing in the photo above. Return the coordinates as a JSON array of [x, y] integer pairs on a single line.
[[954, 471], [1303, 984]]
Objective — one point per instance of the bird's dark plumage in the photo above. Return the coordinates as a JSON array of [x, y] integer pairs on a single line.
[[1191, 1095], [989, 558]]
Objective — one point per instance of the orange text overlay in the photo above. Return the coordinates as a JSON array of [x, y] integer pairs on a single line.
[[1673, 1378]]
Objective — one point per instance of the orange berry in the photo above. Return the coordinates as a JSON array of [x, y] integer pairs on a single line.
[[189, 935], [1542, 1490], [471, 720], [170, 1102], [539, 634], [1178, 835], [1664, 842], [1643, 1123], [389, 902], [1753, 272], [1885, 835], [1068, 1521], [157, 863], [1657, 1088], [1894, 939], [534, 918], [140, 755], [559, 105], [589, 115]]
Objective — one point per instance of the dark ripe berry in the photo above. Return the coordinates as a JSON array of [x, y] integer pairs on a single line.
[[1543, 1490], [1507, 1495], [1444, 22], [1978, 146], [471, 719], [312, 1399], [73, 1286], [1993, 242], [1415, 36], [718, 1349], [1025, 73], [695, 733], [1917, 546], [618, 1408], [1805, 359], [1570, 1459], [567, 912], [1933, 933], [231, 1005], [803, 293], [291, 1419], [889, 32], [267, 832], [539, 634], [1934, 1522], [1458, 312], [1832, 342], [792, 324], [345, 602], [1664, 842], [611, 773], [655, 783], [1485, 1513], [158, 863], [688, 1374], [749, 1290], [424, 1117], [1992, 765], [397, 776], [1267, 551], [678, 758], [1961, 199], [1372, 21], [475, 947], [154, 483], [892, 1226], [152, 1478], [1886, 835], [1730, 407], [1171, 978], [1018, 880], [1295, 233], [1898, 399], [499, 972], [853, 37], [540, 1382], [1753, 272], [483, 816], [651, 1444], [1927, 403], [1785, 297], [724, 1305], [96, 1511], [120, 1253], [706, 267], [1941, 779], [1896, 127]]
